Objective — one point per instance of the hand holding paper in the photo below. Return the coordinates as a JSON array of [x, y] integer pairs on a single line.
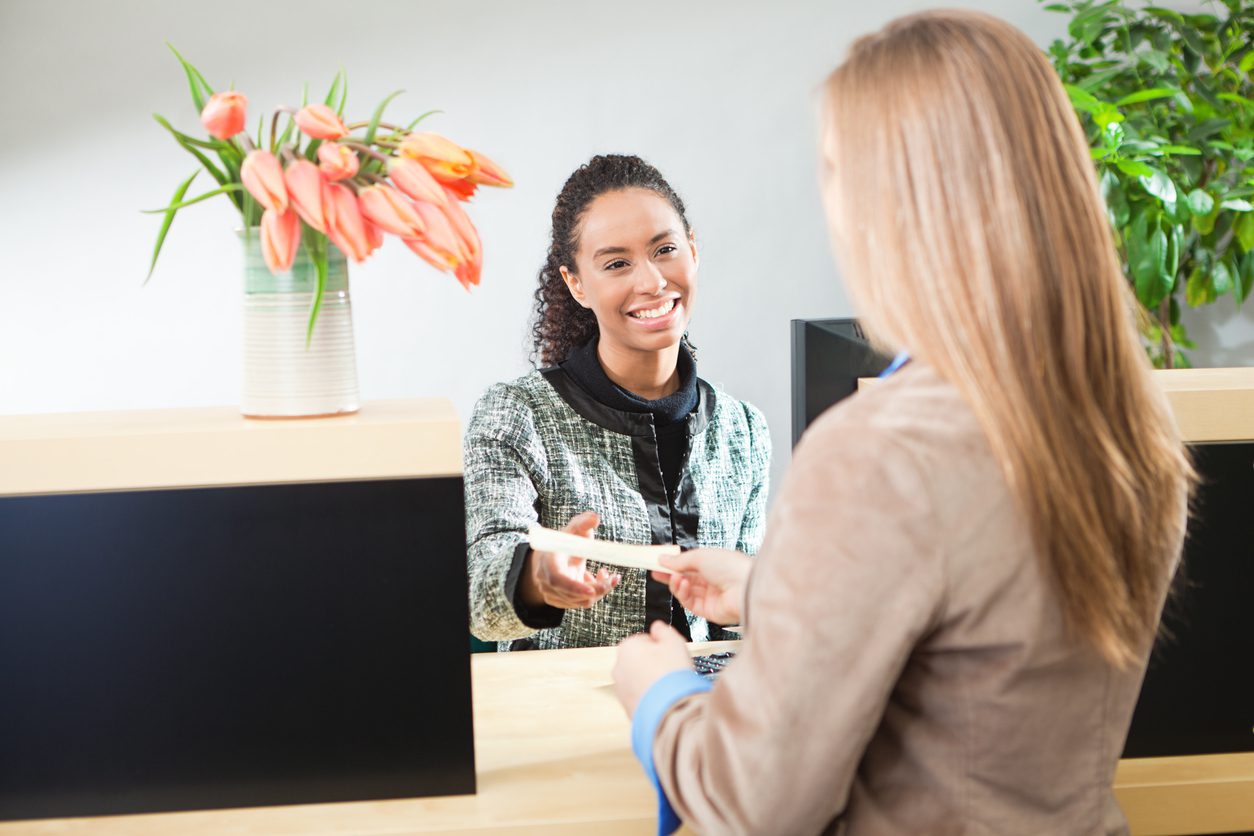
[[617, 554]]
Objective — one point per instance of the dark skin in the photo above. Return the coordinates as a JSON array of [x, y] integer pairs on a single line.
[[636, 270]]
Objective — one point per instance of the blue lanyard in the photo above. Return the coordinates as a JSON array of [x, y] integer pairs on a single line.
[[900, 360]]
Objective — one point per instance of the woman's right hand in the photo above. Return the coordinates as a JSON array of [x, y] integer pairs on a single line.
[[710, 583], [562, 580]]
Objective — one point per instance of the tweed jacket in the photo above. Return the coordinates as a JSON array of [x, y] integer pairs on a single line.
[[541, 449]]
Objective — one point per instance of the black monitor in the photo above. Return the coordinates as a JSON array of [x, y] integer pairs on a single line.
[[233, 646], [828, 357], [1198, 695]]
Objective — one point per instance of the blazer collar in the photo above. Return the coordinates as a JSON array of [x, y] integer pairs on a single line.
[[618, 420]]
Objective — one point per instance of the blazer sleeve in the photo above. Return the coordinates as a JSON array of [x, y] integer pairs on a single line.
[[504, 472], [753, 526], [848, 581]]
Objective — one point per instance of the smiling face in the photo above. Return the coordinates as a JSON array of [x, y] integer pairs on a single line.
[[635, 269]]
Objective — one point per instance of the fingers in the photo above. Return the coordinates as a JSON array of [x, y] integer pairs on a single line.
[[689, 561], [571, 594], [583, 524]]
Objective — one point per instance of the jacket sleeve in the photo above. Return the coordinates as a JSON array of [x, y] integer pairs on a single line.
[[504, 473], [849, 579], [753, 526]]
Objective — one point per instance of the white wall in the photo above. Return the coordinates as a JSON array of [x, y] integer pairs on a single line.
[[719, 95]]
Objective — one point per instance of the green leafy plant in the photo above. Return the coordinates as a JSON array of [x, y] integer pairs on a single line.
[[1167, 103]]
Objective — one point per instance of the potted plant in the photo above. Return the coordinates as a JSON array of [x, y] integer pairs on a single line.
[[1166, 101], [312, 196]]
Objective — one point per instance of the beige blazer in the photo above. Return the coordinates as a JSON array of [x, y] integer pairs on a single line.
[[905, 668]]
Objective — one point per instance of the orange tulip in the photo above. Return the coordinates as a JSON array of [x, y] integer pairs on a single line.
[[320, 122], [338, 162], [345, 226], [415, 181], [280, 238], [488, 173], [447, 161], [461, 189], [304, 191], [263, 177], [374, 236], [439, 260], [391, 210], [439, 246], [223, 116], [471, 262]]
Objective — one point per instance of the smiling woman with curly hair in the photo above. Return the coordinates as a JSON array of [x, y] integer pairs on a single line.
[[615, 434]]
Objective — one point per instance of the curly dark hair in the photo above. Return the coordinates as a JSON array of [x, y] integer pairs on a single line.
[[562, 324]]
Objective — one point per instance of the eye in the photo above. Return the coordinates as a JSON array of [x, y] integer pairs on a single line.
[[667, 249], [617, 264]]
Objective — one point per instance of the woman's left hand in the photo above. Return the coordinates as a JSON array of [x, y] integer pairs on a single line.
[[644, 659]]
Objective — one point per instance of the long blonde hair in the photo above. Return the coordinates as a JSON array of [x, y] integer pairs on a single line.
[[967, 217]]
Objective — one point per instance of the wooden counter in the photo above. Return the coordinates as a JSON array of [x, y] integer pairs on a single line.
[[200, 447], [554, 757]]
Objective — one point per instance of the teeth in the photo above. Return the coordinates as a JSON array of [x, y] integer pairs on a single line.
[[661, 310]]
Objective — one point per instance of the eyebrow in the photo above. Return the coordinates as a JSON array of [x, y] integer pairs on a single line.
[[612, 250]]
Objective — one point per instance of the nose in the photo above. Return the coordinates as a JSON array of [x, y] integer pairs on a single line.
[[650, 280]]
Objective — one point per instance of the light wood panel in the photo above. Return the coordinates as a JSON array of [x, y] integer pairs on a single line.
[[99, 451], [554, 757], [1182, 795], [1209, 404]]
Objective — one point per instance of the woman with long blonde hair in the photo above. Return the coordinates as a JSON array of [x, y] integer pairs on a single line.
[[949, 620]]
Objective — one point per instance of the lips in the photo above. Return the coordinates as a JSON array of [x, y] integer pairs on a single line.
[[659, 310], [673, 308]]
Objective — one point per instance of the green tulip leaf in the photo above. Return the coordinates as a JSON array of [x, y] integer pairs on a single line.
[[373, 128], [192, 148], [335, 88], [420, 119], [201, 91], [229, 187], [316, 243], [168, 220]]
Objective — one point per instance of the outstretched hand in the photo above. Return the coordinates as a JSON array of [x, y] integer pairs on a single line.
[[562, 580], [710, 583]]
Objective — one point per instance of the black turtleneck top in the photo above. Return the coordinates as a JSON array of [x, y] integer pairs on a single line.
[[669, 414]]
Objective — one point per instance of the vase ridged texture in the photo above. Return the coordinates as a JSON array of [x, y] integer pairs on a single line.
[[283, 377]]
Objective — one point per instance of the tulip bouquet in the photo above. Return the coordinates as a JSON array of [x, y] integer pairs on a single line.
[[322, 182]]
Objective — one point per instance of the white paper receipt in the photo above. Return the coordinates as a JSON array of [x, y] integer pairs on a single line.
[[617, 554]]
